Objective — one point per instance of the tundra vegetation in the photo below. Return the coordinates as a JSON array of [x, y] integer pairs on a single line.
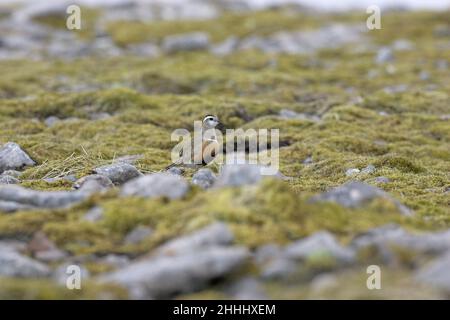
[[380, 104]]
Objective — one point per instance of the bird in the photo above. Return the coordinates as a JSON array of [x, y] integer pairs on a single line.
[[210, 145]]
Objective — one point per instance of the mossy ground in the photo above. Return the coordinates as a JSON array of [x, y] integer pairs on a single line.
[[148, 98]]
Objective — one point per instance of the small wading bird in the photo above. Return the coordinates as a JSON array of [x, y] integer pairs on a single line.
[[209, 146]]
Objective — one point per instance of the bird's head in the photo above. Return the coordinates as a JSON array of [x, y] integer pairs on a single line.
[[210, 122]]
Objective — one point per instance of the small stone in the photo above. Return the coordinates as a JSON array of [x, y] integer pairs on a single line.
[[226, 47], [267, 253], [95, 182], [289, 114], [320, 242], [204, 178], [352, 172], [51, 121], [248, 288], [424, 76], [279, 268], [369, 169], [308, 160], [119, 172], [138, 235], [382, 179], [186, 42], [5, 179], [117, 261], [403, 45], [13, 264], [355, 193], [156, 185], [384, 55], [238, 175], [215, 234], [12, 157], [94, 214], [175, 170]]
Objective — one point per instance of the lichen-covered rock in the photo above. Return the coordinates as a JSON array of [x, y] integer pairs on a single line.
[[290, 114], [186, 42], [119, 172], [216, 234], [165, 276], [13, 264], [319, 243], [12, 157], [156, 185], [204, 178], [354, 194]]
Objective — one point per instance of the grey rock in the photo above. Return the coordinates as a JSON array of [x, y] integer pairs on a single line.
[[12, 157], [424, 76], [12, 173], [94, 214], [13, 198], [267, 253], [226, 47], [400, 88], [437, 273], [308, 160], [319, 243], [394, 235], [305, 42], [119, 172], [156, 185], [204, 178], [138, 235], [290, 114], [402, 45], [149, 50], [215, 234], [99, 116], [384, 55], [445, 117], [51, 121], [96, 182], [354, 194], [369, 169], [11, 206], [248, 288], [13, 264], [114, 260], [165, 276], [175, 170], [51, 255], [279, 268], [5, 179], [352, 172], [238, 175], [441, 65], [186, 42], [382, 179]]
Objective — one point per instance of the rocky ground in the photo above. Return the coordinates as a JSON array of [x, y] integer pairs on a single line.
[[85, 124]]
